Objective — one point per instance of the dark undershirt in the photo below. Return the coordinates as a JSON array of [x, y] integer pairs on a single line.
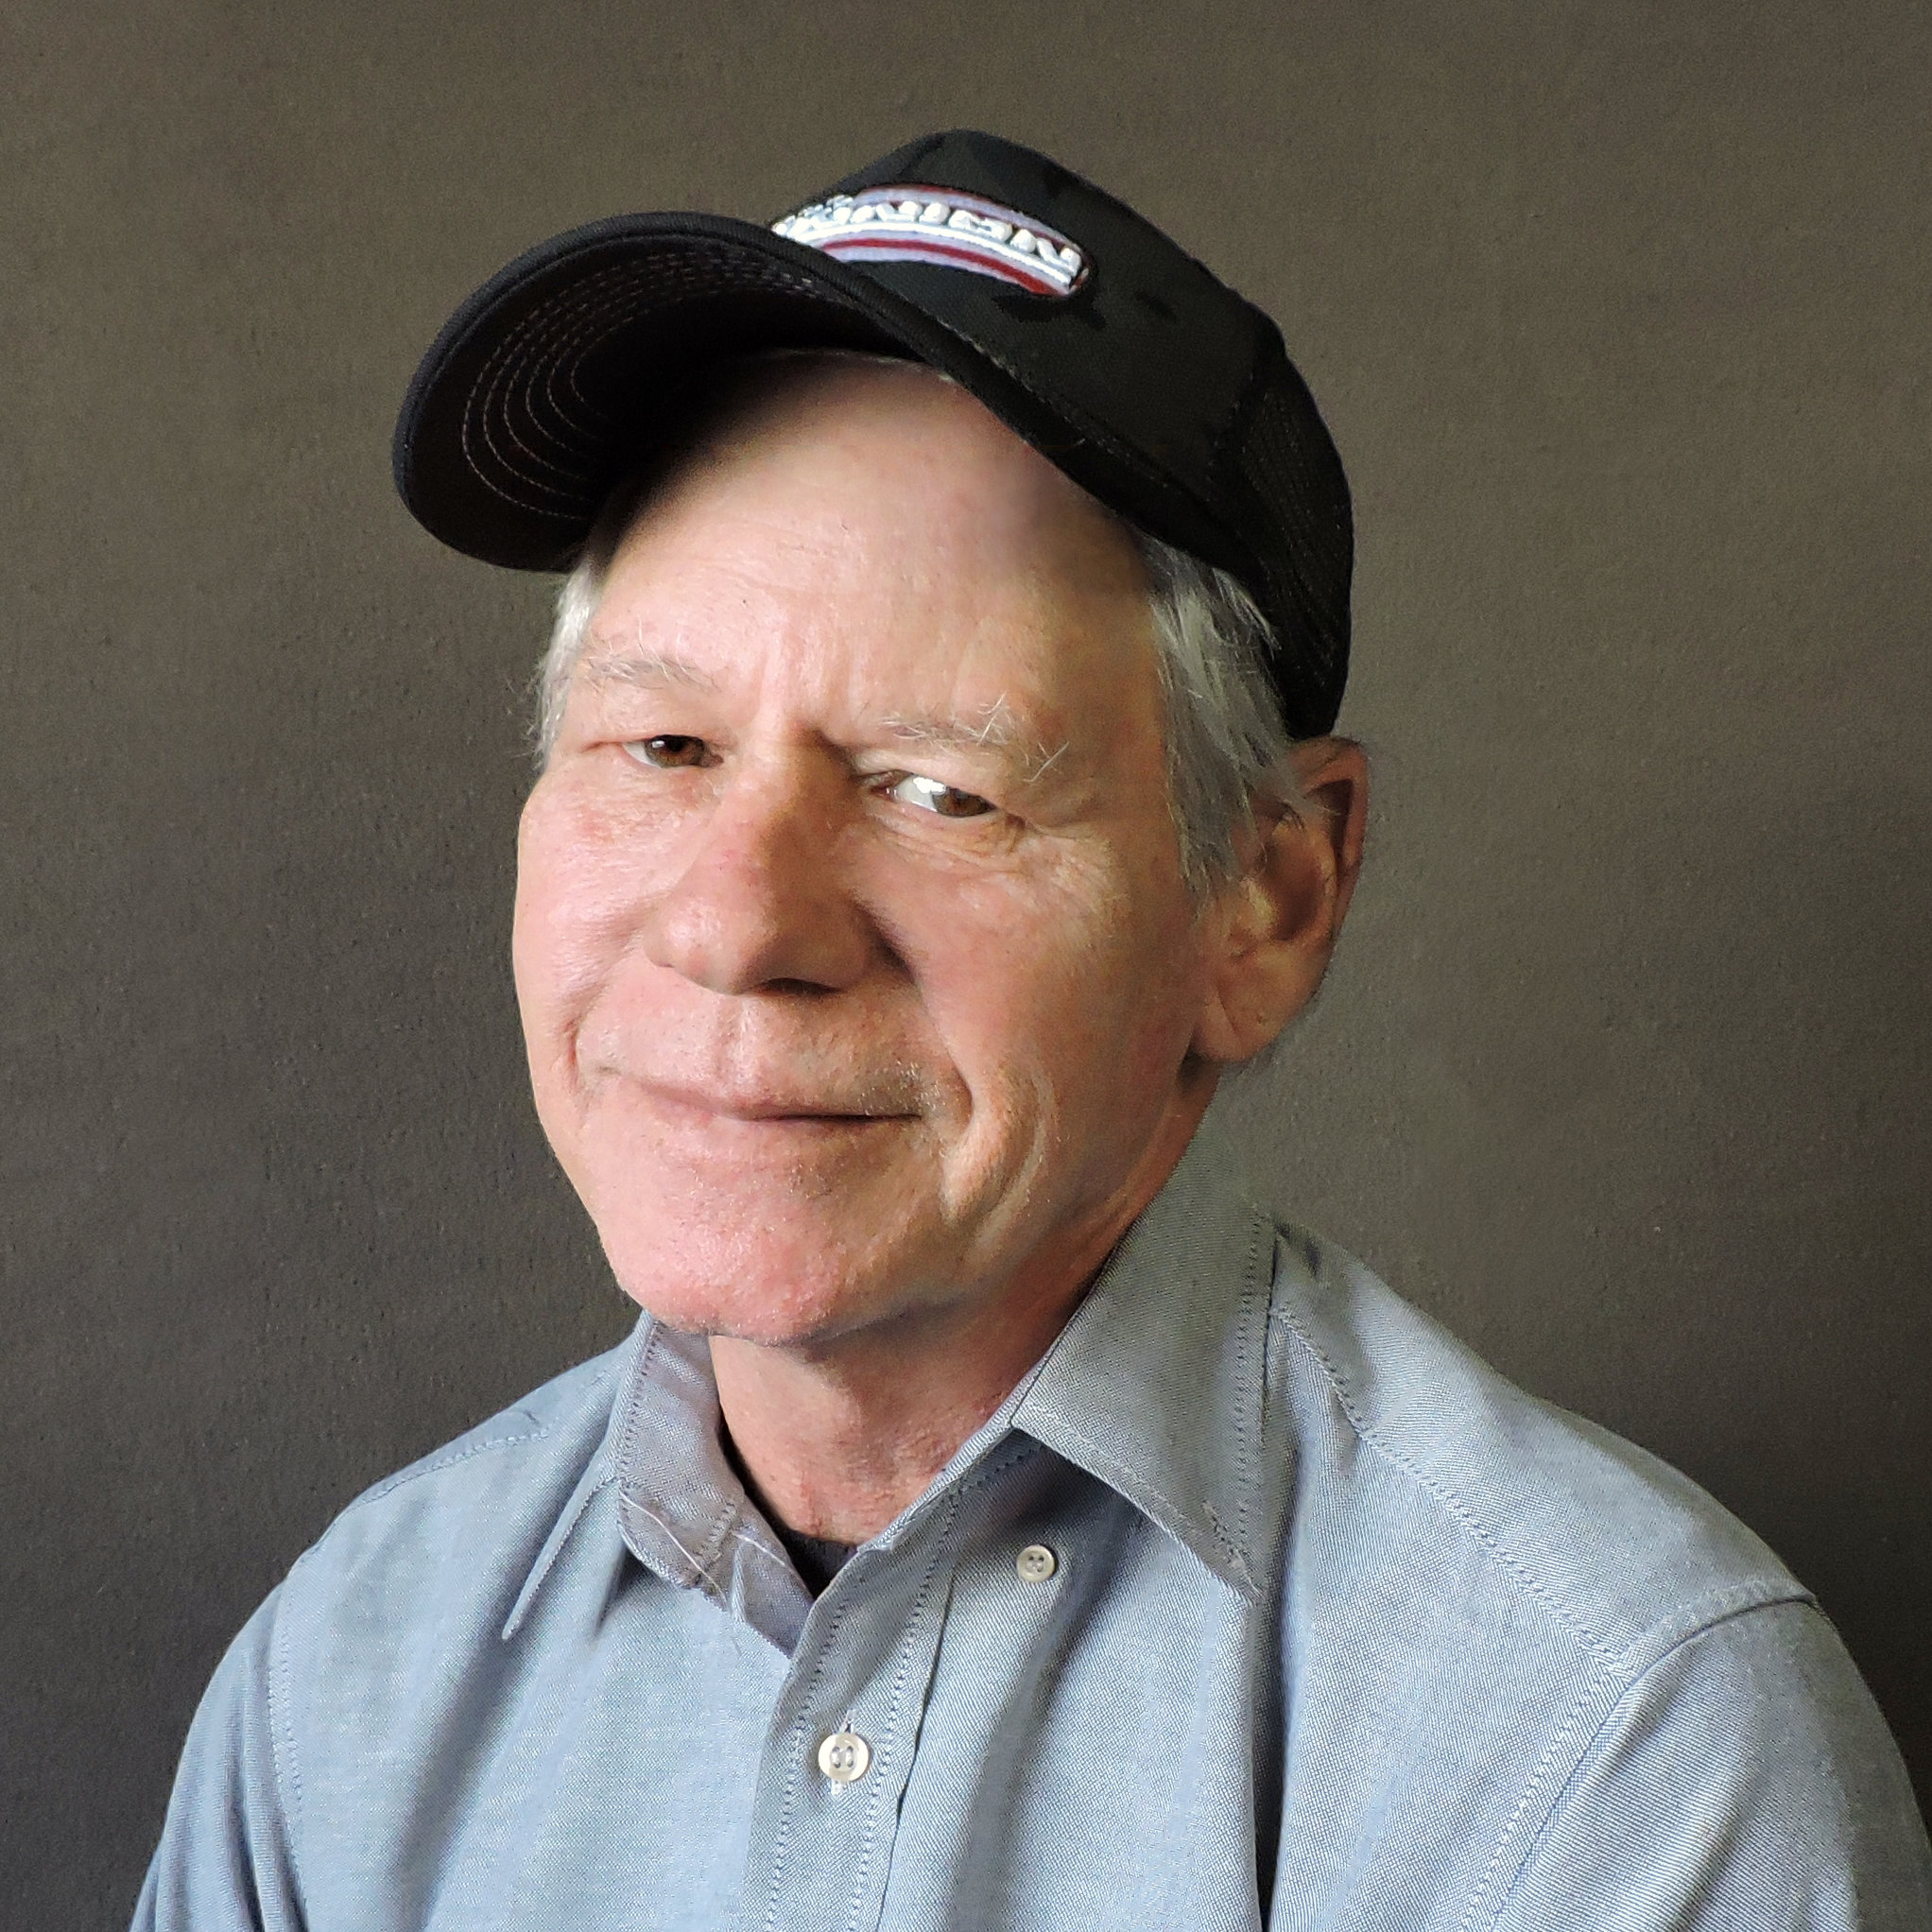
[[816, 1558]]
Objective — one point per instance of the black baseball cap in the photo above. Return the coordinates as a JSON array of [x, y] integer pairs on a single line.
[[1080, 324]]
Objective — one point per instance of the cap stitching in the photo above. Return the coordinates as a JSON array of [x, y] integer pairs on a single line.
[[550, 348]]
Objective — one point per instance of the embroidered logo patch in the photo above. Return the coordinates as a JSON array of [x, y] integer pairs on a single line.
[[943, 227]]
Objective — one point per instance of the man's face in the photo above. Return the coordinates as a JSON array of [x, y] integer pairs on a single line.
[[856, 965]]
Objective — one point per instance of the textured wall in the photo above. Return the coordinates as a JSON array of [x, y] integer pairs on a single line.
[[1619, 313]]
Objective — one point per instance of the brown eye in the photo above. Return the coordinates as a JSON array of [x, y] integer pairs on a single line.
[[668, 750], [947, 801]]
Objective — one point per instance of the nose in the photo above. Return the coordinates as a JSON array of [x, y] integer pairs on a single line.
[[760, 907]]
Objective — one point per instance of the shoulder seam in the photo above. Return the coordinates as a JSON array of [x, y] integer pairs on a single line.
[[281, 1705], [1796, 1597], [1448, 1498], [461, 1452], [1539, 1778], [389, 1485], [287, 1769], [1698, 1614]]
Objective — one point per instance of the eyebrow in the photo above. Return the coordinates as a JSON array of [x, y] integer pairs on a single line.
[[649, 669], [997, 730]]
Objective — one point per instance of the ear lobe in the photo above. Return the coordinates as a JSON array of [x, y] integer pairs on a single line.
[[1274, 928]]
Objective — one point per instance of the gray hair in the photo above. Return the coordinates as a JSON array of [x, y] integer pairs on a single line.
[[1228, 746]]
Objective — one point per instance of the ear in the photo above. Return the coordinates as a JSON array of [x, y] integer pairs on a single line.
[[1269, 932]]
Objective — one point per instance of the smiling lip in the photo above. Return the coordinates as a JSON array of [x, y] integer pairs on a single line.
[[771, 1109]]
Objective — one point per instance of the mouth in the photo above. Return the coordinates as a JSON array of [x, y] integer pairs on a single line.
[[773, 1109]]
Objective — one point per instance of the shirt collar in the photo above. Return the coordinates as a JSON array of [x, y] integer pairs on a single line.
[[1155, 1388], [1156, 1384], [681, 1508]]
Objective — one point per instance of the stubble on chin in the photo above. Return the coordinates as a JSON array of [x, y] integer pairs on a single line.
[[787, 1247]]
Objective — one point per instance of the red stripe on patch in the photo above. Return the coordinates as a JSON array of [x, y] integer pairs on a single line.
[[954, 253]]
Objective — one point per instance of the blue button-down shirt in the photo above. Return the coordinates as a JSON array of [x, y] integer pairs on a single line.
[[1340, 1631]]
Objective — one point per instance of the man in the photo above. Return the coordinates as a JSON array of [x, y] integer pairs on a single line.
[[996, 1520]]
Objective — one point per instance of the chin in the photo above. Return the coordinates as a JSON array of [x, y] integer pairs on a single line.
[[766, 1230], [775, 1282]]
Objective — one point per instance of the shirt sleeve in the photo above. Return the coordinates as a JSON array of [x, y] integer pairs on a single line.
[[1746, 1783], [224, 1862]]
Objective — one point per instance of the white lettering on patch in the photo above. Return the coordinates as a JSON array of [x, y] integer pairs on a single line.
[[944, 229]]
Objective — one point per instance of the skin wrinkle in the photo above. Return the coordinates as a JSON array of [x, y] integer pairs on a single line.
[[1228, 748], [864, 1092]]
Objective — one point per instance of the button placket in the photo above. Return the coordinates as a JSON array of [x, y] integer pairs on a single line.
[[827, 1804]]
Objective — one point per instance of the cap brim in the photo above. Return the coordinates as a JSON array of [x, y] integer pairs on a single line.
[[544, 388]]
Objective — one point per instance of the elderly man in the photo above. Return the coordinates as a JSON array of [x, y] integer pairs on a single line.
[[996, 1521]]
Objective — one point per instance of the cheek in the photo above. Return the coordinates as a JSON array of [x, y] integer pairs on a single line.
[[1073, 1000], [575, 902]]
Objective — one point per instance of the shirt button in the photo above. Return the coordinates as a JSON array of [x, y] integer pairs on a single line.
[[1035, 1562], [844, 1755]]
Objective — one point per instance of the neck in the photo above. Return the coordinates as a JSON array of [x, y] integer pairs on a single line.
[[837, 1440]]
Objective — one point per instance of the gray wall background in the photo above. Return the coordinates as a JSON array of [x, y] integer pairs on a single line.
[[1619, 315]]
